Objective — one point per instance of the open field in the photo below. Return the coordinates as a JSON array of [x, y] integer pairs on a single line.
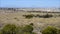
[[39, 23]]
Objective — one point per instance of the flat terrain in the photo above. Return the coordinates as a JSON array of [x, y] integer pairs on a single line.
[[39, 23]]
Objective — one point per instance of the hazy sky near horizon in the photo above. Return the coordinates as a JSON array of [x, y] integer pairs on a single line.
[[29, 3]]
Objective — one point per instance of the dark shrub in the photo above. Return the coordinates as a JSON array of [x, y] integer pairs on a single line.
[[37, 15], [47, 16], [28, 16], [44, 16], [31, 24], [15, 18]]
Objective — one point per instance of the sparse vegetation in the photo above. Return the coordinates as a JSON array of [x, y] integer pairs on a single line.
[[38, 21], [40, 16]]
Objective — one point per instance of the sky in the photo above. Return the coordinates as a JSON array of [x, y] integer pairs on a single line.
[[30, 3]]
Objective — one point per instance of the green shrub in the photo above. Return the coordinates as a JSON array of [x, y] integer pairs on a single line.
[[33, 33], [9, 29], [58, 31], [15, 18], [44, 16], [13, 29], [31, 24], [28, 28], [28, 16], [29, 33], [47, 16], [0, 33], [50, 30], [40, 16], [37, 15]]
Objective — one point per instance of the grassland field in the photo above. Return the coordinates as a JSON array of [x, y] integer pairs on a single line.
[[39, 23]]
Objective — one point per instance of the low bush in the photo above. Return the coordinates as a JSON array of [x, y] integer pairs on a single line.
[[44, 16], [31, 24], [13, 29], [9, 29], [58, 31], [28, 16], [50, 30], [40, 16], [47, 16], [28, 28]]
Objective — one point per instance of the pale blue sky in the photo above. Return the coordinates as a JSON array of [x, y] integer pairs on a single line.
[[29, 3]]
